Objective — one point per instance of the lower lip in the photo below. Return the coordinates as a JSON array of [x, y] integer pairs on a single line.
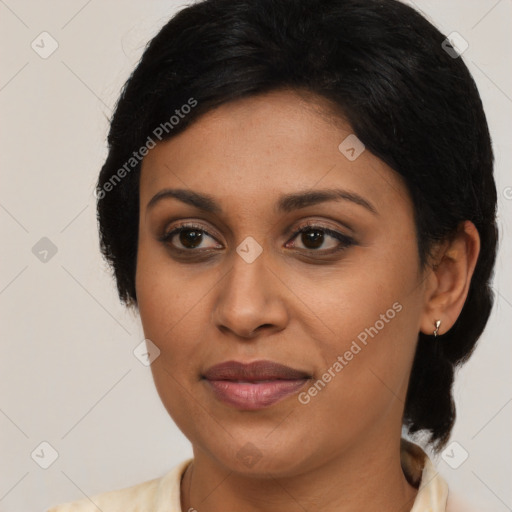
[[254, 395]]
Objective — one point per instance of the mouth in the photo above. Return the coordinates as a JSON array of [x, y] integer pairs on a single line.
[[255, 385]]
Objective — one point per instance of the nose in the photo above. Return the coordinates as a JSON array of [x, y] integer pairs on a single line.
[[250, 299]]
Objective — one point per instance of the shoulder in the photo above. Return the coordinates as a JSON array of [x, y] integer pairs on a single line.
[[433, 491], [157, 495], [456, 504], [130, 498]]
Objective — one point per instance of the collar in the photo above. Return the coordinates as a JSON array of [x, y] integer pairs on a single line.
[[421, 473]]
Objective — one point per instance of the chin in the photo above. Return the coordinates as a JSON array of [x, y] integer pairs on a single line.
[[259, 456]]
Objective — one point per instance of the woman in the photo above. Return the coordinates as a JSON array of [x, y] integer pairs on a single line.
[[299, 201]]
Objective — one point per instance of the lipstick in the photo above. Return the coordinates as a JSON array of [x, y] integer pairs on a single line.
[[254, 385]]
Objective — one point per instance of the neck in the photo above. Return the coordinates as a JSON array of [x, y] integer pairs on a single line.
[[368, 478]]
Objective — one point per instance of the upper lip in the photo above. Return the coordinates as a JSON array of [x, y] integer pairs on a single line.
[[255, 371]]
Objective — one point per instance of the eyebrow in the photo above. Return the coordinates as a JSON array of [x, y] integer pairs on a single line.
[[285, 204]]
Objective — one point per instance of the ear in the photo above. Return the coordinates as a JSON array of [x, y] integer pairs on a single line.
[[450, 276]]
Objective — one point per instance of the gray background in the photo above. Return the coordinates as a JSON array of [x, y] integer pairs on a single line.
[[68, 373]]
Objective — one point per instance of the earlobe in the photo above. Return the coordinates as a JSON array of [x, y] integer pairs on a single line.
[[450, 280]]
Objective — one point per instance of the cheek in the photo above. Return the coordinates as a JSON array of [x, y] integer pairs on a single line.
[[164, 292], [364, 375], [169, 315], [372, 316], [168, 307]]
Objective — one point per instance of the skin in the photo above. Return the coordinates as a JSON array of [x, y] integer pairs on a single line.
[[292, 305]]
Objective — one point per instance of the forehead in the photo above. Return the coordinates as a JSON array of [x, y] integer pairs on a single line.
[[263, 146]]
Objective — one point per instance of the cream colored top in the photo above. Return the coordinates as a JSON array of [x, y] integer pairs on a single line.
[[163, 494]]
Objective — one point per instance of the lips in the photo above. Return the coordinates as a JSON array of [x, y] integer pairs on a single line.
[[255, 385], [253, 372]]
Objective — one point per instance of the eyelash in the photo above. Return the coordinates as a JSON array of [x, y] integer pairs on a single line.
[[345, 241]]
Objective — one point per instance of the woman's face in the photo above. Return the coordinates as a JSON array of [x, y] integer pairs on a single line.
[[340, 303]]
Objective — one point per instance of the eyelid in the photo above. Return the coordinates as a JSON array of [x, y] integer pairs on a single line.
[[322, 224], [168, 233], [343, 239]]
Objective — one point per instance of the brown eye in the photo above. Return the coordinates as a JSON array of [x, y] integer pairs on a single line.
[[187, 237], [190, 238], [313, 237]]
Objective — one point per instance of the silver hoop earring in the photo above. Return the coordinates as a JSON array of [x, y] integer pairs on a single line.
[[436, 330]]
